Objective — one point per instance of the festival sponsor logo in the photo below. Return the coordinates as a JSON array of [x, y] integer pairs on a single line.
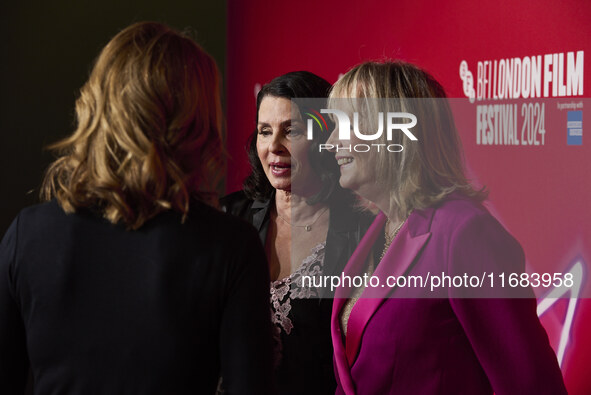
[[574, 128]]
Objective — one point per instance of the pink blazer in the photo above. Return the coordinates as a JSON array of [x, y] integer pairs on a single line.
[[400, 342]]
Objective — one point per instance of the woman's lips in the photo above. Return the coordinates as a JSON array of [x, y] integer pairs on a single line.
[[280, 169]]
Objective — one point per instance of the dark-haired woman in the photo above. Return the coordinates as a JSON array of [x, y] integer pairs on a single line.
[[125, 282], [305, 222]]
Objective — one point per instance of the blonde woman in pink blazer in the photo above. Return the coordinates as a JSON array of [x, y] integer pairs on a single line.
[[395, 340]]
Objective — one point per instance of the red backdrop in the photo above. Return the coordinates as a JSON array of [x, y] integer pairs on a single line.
[[541, 193]]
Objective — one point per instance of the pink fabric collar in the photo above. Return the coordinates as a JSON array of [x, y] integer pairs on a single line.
[[396, 262]]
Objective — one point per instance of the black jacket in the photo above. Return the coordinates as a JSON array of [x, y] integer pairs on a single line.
[[94, 308], [306, 362], [347, 225]]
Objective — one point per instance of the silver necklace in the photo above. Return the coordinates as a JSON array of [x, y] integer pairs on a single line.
[[307, 227]]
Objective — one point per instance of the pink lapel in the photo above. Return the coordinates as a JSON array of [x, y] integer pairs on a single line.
[[354, 266], [395, 263], [340, 359]]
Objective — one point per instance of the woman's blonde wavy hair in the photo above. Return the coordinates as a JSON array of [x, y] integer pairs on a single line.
[[427, 170], [148, 137]]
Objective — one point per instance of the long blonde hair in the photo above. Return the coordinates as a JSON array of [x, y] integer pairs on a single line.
[[148, 135], [428, 170]]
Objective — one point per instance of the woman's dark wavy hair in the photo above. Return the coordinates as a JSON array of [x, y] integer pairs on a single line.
[[297, 84]]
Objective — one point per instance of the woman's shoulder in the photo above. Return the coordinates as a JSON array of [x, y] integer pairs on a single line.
[[40, 216], [461, 217], [33, 217], [456, 215], [239, 204], [458, 208], [233, 200], [50, 208], [201, 213]]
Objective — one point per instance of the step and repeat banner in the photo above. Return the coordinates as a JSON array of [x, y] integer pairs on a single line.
[[520, 70]]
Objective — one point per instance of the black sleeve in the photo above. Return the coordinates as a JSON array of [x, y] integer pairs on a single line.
[[245, 336], [13, 351]]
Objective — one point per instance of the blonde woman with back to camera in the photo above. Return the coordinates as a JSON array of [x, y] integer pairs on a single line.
[[125, 281]]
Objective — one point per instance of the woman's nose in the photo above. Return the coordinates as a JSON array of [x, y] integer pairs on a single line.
[[276, 144]]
